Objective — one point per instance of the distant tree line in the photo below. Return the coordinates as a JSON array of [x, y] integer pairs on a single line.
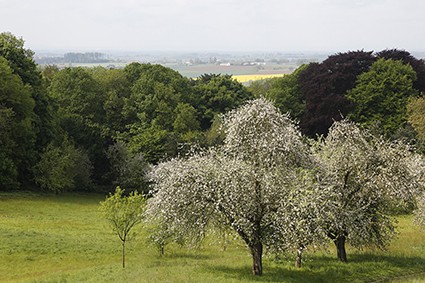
[[93, 129], [75, 57]]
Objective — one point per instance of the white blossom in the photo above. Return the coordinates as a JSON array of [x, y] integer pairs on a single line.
[[366, 175], [247, 184]]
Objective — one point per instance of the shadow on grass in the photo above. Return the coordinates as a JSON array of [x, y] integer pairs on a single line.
[[361, 268]]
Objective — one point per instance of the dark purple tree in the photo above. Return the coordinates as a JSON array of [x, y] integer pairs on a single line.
[[324, 87]]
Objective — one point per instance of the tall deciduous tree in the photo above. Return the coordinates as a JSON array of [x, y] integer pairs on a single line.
[[286, 94], [17, 134], [217, 95], [242, 185], [418, 65], [63, 168], [324, 87], [79, 103], [365, 175], [22, 64], [381, 95]]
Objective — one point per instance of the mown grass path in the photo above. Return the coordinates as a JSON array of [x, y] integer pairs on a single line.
[[49, 238]]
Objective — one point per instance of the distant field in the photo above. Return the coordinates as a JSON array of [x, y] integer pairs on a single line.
[[194, 71], [49, 238], [235, 70], [251, 78]]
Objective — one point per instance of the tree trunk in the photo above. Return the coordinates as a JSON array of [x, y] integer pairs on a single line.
[[298, 261], [123, 254], [340, 248], [161, 248], [257, 258]]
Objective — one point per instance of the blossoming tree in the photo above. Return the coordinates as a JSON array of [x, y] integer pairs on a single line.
[[246, 184], [366, 176]]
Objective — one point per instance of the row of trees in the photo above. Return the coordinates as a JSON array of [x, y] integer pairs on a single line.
[[98, 128], [279, 191], [373, 89], [95, 128]]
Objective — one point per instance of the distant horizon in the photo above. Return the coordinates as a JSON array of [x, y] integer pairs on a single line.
[[420, 54]]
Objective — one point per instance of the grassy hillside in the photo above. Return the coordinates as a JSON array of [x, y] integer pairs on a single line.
[[48, 238]]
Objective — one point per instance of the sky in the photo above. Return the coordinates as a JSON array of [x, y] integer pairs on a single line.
[[216, 25]]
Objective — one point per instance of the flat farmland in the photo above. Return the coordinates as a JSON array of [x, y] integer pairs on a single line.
[[194, 71]]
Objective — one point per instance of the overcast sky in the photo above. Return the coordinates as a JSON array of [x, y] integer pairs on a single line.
[[216, 25]]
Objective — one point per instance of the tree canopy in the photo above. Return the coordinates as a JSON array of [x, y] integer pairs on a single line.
[[242, 185], [365, 175], [381, 95], [324, 87]]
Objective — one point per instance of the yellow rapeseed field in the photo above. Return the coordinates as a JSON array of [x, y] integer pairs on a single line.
[[248, 78]]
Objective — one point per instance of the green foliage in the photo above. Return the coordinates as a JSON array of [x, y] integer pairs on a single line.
[[381, 94], [22, 64], [218, 94], [284, 92], [418, 65], [79, 109], [115, 88], [17, 134], [76, 92], [63, 168], [123, 213], [416, 117], [8, 173], [185, 119], [130, 169], [259, 88], [48, 72]]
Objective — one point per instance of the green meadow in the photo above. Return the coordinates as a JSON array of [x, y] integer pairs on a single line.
[[62, 238]]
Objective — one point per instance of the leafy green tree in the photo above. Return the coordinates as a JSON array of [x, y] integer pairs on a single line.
[[381, 95], [123, 214], [115, 88], [285, 92], [63, 168], [48, 72], [418, 65], [130, 169], [17, 134], [156, 92], [186, 123], [154, 142], [78, 101], [151, 110], [218, 94], [22, 64], [259, 88]]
